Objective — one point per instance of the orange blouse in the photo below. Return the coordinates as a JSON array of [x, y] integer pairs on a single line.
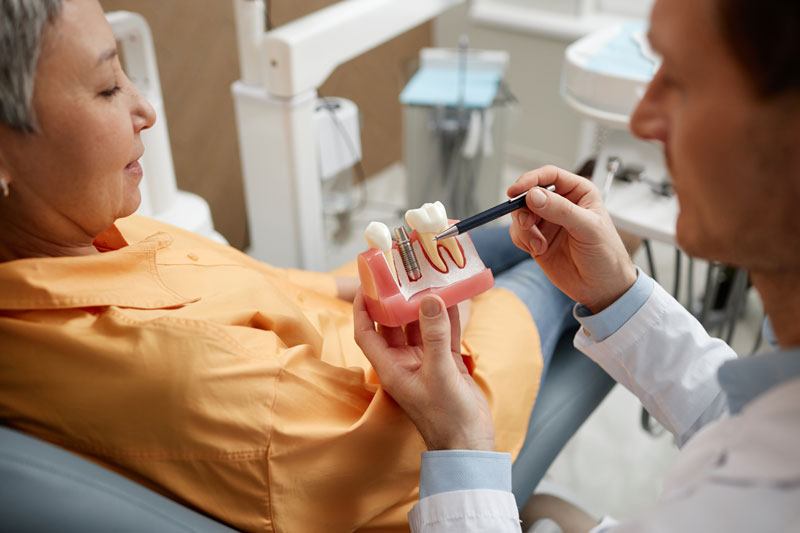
[[231, 386]]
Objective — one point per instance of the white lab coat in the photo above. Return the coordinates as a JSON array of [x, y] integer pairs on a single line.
[[735, 473]]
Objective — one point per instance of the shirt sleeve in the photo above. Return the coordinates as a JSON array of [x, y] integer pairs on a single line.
[[463, 491], [451, 470], [609, 320]]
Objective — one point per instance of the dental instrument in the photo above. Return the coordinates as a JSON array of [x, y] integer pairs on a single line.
[[484, 217]]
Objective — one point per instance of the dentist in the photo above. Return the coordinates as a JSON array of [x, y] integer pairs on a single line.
[[725, 105]]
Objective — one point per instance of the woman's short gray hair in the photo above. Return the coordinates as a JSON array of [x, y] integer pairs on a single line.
[[21, 26]]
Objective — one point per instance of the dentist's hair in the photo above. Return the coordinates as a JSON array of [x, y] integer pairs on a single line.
[[765, 38], [21, 25]]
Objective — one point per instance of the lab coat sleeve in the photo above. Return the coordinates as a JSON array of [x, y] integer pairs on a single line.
[[466, 511], [667, 359]]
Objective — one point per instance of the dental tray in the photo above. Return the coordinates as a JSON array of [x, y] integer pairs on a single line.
[[395, 302], [607, 72]]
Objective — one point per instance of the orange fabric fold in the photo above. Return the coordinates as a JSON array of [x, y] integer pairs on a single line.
[[229, 385]]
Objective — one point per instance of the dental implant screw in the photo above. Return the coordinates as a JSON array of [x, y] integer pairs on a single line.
[[407, 254]]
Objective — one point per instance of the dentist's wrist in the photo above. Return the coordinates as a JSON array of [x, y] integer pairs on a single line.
[[623, 283]]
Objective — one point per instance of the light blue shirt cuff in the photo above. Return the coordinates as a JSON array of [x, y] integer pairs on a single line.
[[451, 470], [609, 320]]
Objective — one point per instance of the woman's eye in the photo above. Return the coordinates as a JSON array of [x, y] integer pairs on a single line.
[[110, 92]]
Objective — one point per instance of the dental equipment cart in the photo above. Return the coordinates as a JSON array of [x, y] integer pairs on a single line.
[[455, 119]]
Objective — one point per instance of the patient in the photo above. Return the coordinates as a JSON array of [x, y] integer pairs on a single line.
[[226, 384]]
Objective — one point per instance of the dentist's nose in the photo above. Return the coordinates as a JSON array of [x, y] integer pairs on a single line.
[[649, 120]]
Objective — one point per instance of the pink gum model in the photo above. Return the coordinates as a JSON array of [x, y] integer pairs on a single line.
[[396, 302]]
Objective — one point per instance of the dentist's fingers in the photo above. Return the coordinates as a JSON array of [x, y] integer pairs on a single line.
[[525, 219], [553, 207], [454, 316], [394, 335], [436, 330], [567, 184], [374, 346], [531, 240], [413, 334]]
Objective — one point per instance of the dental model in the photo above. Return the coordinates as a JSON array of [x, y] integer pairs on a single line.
[[395, 275], [428, 221], [379, 238]]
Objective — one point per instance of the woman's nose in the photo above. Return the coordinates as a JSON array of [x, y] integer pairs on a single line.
[[144, 116]]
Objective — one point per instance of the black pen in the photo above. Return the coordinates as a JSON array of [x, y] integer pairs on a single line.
[[484, 217]]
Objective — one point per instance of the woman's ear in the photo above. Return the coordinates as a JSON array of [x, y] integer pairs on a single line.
[[5, 173], [7, 141]]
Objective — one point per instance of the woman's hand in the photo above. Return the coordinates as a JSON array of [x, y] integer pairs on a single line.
[[421, 368], [570, 234], [346, 288]]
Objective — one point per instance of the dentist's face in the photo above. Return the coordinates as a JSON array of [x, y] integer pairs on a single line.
[[79, 172], [731, 155]]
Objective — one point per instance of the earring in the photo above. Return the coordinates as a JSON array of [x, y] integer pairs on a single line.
[[4, 190]]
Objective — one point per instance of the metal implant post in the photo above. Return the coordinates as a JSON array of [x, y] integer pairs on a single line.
[[407, 254]]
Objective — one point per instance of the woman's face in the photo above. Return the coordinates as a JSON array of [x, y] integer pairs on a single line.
[[79, 172]]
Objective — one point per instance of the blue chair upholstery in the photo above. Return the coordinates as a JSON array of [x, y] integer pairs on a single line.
[[46, 488]]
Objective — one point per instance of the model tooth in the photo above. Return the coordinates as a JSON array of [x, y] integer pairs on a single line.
[[378, 237], [451, 245], [430, 220]]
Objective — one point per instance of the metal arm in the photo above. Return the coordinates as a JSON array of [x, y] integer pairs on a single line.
[[274, 100]]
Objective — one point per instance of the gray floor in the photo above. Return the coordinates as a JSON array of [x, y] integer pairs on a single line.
[[611, 466]]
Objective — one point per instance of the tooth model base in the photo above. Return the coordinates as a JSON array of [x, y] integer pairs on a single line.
[[394, 301]]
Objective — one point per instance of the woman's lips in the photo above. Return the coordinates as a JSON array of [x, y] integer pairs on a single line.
[[134, 168]]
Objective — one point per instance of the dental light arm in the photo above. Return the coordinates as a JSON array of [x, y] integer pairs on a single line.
[[300, 56], [281, 70]]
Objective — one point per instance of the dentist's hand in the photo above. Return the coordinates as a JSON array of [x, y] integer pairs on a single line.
[[570, 234], [423, 371]]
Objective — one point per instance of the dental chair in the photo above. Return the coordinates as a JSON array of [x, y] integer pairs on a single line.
[[46, 488]]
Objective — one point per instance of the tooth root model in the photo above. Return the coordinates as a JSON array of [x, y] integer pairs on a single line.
[[393, 284], [410, 264], [428, 221], [378, 237]]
